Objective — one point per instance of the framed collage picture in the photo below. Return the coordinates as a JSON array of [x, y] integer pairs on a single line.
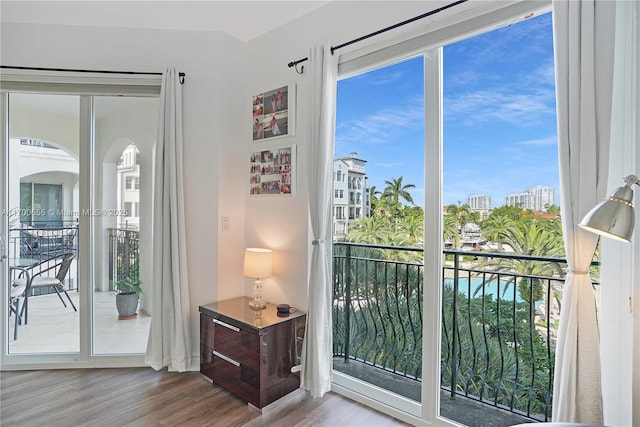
[[273, 113], [272, 172]]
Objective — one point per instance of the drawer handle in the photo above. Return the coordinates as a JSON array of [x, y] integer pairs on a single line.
[[226, 325], [228, 359]]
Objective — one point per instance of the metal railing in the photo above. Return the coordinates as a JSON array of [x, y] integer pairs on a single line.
[[498, 327], [43, 241], [377, 307], [124, 255]]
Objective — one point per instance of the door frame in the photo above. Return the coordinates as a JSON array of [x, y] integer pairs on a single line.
[[15, 83]]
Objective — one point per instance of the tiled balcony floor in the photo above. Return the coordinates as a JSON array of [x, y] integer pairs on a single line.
[[460, 409], [52, 328]]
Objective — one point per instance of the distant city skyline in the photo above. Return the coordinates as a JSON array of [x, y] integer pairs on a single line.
[[537, 197], [499, 116]]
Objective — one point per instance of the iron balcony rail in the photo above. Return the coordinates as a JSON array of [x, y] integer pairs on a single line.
[[124, 255], [498, 325], [43, 241]]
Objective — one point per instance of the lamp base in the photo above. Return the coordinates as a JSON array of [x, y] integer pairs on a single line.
[[257, 305]]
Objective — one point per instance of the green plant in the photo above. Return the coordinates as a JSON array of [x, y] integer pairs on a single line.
[[129, 284]]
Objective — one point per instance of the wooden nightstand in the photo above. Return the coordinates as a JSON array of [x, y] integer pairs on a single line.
[[250, 353]]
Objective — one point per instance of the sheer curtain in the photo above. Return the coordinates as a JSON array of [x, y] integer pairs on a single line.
[[169, 338], [620, 271], [317, 347], [583, 37]]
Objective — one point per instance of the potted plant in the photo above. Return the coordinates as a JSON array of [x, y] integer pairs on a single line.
[[129, 291]]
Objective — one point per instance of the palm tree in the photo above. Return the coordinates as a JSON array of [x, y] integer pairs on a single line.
[[460, 212], [395, 190], [371, 229], [450, 230], [411, 225], [373, 197], [497, 227], [535, 238], [386, 208]]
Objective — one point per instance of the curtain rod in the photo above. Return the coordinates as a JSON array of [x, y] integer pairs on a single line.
[[180, 75], [383, 30]]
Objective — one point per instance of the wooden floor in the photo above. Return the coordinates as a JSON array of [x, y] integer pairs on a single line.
[[144, 397]]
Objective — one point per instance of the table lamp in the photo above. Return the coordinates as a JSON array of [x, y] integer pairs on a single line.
[[257, 264], [614, 216]]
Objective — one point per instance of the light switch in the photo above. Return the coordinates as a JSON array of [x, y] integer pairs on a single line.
[[225, 223]]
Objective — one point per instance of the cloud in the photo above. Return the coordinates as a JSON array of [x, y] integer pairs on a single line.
[[551, 140], [386, 78], [522, 107], [382, 126], [505, 75], [496, 46]]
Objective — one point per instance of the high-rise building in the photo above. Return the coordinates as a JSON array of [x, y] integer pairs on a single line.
[[543, 197], [351, 195], [480, 203], [536, 198]]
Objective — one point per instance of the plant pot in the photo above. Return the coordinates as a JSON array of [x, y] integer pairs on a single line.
[[127, 304]]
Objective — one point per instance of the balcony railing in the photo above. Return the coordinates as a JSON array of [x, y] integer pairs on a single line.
[[43, 241], [124, 255], [498, 327]]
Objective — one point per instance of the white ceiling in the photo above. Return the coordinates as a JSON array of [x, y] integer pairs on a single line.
[[244, 20]]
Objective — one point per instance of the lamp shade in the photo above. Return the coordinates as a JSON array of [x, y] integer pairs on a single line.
[[613, 217], [257, 263]]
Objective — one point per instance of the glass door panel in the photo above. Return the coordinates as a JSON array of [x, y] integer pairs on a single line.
[[500, 307], [42, 223], [378, 226], [124, 134]]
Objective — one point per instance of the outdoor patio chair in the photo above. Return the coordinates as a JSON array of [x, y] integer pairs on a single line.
[[16, 293], [39, 280]]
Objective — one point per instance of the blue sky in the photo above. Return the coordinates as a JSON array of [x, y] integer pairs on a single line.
[[499, 116]]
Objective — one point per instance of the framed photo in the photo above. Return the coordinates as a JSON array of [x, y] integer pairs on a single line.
[[273, 113], [272, 172]]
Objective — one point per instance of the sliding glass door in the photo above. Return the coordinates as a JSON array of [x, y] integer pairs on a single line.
[[43, 178], [378, 234], [77, 195], [444, 304], [124, 136]]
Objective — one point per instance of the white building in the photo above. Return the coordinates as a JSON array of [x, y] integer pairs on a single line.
[[536, 198], [480, 203], [129, 189], [43, 184], [350, 193]]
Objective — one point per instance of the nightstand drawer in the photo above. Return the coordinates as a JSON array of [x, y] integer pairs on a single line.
[[236, 343], [237, 378]]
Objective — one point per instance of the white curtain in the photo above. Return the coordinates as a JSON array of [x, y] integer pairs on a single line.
[[317, 348], [583, 38], [169, 342], [620, 272]]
